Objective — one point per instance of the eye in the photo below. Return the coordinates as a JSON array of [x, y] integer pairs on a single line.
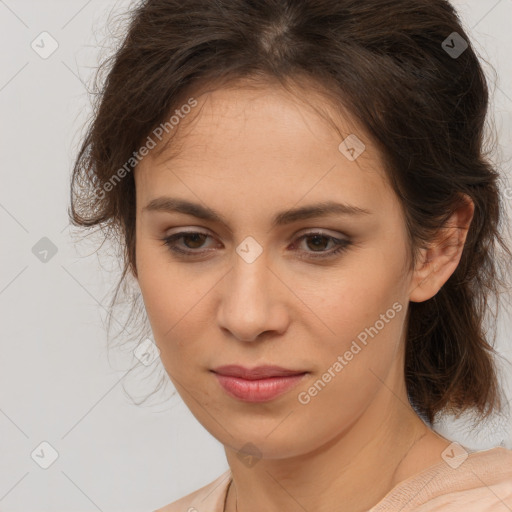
[[320, 240], [194, 240]]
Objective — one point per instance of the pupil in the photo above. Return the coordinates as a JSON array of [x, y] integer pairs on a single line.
[[317, 238], [197, 237]]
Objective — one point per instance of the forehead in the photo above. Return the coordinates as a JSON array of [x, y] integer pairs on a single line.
[[245, 140], [247, 115]]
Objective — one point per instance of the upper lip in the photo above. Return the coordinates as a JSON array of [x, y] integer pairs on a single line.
[[259, 372]]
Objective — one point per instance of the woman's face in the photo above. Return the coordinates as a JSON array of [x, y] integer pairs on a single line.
[[250, 291]]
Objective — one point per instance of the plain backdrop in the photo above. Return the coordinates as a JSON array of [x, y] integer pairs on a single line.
[[58, 384]]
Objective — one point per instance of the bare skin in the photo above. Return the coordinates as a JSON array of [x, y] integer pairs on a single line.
[[249, 154]]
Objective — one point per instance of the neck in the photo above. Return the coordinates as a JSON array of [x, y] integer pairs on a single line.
[[385, 445]]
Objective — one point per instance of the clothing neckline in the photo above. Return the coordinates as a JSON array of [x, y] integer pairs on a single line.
[[400, 490]]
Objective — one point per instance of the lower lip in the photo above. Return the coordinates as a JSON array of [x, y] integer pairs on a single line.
[[259, 390]]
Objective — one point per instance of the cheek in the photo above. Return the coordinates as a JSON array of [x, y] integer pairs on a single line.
[[364, 311], [175, 306], [161, 288], [368, 333], [351, 371], [368, 289]]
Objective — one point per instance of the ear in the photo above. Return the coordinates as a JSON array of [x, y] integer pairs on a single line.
[[438, 261]]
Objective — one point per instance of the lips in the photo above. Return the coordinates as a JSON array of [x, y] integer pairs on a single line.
[[260, 372], [260, 384]]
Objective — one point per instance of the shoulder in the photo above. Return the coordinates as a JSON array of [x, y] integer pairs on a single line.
[[478, 482], [209, 498]]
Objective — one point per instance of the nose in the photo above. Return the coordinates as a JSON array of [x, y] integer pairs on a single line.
[[253, 301]]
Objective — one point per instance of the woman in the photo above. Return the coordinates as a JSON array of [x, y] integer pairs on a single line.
[[303, 198]]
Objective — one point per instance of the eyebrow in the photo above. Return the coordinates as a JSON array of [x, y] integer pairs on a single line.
[[175, 205]]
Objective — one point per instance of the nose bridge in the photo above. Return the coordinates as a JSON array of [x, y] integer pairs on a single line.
[[249, 304], [250, 279]]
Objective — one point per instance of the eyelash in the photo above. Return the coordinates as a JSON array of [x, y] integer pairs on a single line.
[[342, 245]]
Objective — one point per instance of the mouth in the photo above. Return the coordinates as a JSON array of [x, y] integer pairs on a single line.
[[260, 384]]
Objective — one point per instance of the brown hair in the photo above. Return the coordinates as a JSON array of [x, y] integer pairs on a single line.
[[393, 65]]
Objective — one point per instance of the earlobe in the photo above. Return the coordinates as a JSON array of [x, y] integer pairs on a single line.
[[440, 259]]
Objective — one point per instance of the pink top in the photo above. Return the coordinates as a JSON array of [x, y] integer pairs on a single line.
[[482, 483]]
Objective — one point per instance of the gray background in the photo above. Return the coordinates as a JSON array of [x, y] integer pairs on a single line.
[[58, 383]]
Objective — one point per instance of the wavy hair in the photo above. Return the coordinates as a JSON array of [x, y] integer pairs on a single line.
[[395, 66]]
